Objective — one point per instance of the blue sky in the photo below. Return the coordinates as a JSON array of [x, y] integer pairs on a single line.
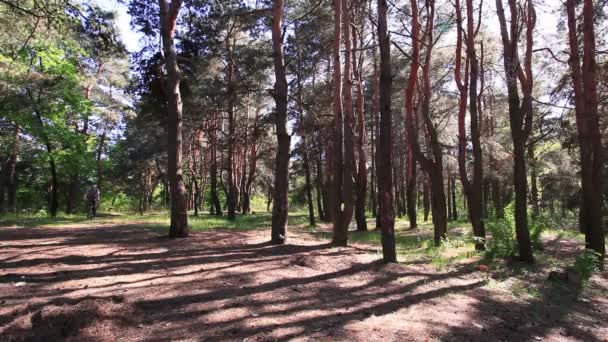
[[130, 38]]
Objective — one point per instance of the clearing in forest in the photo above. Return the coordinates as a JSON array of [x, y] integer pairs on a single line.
[[118, 279]]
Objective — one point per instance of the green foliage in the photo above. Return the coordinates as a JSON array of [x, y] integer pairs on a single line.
[[538, 225], [117, 202], [587, 263], [502, 244]]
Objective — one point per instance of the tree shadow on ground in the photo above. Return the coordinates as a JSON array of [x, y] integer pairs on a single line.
[[221, 284], [551, 311]]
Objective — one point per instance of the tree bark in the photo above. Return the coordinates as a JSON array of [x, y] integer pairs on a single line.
[[216, 205], [374, 131], [343, 134], [411, 116], [584, 82], [179, 211], [361, 174], [433, 164], [426, 197], [281, 182], [533, 181], [231, 197], [319, 178], [454, 205], [304, 136], [385, 141], [520, 112], [473, 190]]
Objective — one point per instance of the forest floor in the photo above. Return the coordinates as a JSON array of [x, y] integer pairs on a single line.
[[120, 279]]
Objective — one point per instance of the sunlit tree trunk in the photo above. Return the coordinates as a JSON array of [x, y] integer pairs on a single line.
[[454, 204], [533, 180], [343, 134], [179, 211], [281, 181]]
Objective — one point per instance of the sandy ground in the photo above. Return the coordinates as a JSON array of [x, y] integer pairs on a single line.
[[124, 282]]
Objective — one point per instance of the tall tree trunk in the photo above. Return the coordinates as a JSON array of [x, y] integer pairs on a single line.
[[319, 195], [328, 200], [374, 132], [411, 116], [533, 181], [319, 180], [449, 190], [361, 174], [179, 211], [253, 158], [433, 164], [216, 205], [587, 121], [426, 197], [473, 190], [308, 181], [343, 135], [231, 197], [304, 136], [520, 112], [99, 162], [281, 182], [385, 141], [454, 205], [411, 188]]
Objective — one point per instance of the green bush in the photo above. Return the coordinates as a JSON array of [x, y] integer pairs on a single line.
[[502, 244], [587, 263], [537, 226]]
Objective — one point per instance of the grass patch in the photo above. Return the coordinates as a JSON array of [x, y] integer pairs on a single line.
[[29, 221], [207, 222], [416, 246], [156, 220]]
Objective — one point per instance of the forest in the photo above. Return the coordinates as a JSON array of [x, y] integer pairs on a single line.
[[334, 170]]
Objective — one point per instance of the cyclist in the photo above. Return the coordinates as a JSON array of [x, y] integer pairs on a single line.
[[92, 199]]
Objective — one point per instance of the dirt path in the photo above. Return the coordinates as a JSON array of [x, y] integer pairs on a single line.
[[110, 282]]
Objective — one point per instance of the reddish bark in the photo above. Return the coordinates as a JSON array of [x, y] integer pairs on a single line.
[[473, 190], [179, 211], [433, 164], [584, 81], [520, 111]]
